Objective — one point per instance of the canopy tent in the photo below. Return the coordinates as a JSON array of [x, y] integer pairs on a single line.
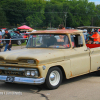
[[24, 27]]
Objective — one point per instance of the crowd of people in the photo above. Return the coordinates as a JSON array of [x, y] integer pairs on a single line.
[[93, 37]]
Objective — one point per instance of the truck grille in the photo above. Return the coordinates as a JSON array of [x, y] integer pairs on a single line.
[[15, 73]]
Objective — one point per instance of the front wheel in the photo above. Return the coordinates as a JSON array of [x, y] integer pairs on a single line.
[[54, 78]]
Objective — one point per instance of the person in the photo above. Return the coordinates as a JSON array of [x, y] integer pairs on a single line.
[[63, 41], [90, 41], [8, 42], [96, 37], [52, 41], [88, 38], [63, 38], [61, 26]]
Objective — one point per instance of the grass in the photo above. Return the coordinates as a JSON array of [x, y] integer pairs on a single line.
[[23, 44]]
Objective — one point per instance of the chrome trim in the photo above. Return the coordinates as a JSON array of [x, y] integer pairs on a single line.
[[16, 69], [24, 80]]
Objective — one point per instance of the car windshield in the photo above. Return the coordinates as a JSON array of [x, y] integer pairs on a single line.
[[48, 41]]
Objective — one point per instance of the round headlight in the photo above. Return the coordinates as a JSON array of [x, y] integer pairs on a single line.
[[32, 73], [27, 73]]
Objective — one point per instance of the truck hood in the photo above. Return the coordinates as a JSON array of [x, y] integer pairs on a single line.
[[42, 55]]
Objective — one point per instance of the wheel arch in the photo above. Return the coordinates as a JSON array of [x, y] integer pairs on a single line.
[[54, 77], [61, 68]]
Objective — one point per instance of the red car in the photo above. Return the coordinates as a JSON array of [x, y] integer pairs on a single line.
[[25, 35]]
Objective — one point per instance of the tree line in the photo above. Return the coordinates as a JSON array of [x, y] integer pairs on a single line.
[[49, 13]]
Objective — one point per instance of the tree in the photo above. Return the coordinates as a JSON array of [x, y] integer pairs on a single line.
[[50, 13], [96, 18], [53, 13], [15, 11], [3, 19], [35, 12]]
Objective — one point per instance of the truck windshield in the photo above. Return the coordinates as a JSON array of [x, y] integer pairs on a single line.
[[48, 41]]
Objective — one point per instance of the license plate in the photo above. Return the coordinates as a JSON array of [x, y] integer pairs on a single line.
[[9, 79]]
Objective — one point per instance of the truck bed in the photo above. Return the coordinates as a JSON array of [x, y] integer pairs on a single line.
[[93, 45]]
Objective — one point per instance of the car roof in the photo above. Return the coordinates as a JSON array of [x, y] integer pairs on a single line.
[[58, 31]]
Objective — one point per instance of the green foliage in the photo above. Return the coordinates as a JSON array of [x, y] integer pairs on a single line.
[[15, 11], [96, 19], [3, 19], [49, 13], [35, 15], [54, 14]]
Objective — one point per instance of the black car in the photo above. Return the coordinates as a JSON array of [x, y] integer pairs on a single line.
[[17, 38]]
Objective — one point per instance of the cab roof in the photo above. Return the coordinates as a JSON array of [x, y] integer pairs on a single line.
[[58, 31]]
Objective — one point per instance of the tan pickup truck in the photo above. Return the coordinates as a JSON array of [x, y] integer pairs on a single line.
[[49, 56]]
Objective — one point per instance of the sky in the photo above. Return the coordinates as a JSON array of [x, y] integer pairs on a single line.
[[95, 1]]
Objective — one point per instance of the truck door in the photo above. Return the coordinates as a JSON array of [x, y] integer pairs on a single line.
[[79, 56], [95, 58]]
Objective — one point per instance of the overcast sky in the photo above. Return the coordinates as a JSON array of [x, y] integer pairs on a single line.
[[95, 1]]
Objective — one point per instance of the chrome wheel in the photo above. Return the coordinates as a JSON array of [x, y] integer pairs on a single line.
[[54, 78]]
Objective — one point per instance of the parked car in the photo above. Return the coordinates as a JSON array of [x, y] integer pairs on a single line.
[[17, 38]]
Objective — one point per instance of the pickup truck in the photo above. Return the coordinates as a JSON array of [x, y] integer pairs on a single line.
[[60, 54]]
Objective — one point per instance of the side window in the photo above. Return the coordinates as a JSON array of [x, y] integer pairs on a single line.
[[77, 40]]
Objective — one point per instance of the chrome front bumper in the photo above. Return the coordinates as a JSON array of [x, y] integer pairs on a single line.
[[24, 80]]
